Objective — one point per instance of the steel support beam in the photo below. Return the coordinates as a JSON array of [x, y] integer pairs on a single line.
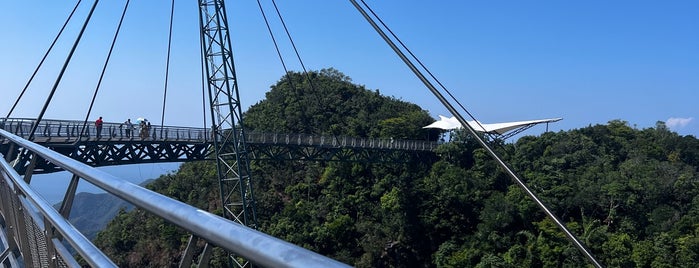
[[232, 162]]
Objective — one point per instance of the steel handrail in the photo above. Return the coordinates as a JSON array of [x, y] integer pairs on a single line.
[[263, 249], [77, 240]]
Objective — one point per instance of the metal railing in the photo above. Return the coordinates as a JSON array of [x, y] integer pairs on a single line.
[[338, 141], [32, 239], [33, 235], [69, 131]]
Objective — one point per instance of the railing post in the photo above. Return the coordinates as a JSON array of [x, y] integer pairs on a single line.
[[19, 221], [188, 253], [67, 203], [10, 153], [7, 204], [49, 234], [30, 168], [205, 256]]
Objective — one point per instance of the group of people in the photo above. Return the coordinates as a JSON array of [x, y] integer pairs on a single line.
[[128, 127]]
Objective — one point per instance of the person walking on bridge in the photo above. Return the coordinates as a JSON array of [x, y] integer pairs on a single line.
[[98, 126], [129, 127]]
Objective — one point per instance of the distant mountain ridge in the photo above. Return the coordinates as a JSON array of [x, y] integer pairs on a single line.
[[91, 212]]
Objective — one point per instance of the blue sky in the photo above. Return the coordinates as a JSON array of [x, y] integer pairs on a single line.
[[585, 61]]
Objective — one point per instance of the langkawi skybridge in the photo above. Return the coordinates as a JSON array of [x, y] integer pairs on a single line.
[[35, 234]]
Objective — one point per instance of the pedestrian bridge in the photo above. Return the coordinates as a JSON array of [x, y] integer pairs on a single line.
[[78, 140], [35, 234]]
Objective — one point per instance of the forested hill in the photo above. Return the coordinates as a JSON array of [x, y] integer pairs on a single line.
[[327, 102], [629, 194]]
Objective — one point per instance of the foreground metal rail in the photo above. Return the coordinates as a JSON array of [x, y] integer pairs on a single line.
[[33, 238], [20, 245]]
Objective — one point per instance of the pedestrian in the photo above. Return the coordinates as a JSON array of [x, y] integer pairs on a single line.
[[98, 126], [142, 129], [129, 127]]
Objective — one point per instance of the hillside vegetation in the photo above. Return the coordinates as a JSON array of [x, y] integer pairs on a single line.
[[629, 194]]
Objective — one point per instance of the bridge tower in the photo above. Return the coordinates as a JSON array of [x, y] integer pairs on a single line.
[[231, 151]]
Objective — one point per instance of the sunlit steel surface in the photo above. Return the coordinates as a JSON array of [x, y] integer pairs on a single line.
[[263, 249]]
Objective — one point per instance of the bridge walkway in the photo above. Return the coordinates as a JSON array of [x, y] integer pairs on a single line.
[[35, 234], [183, 144]]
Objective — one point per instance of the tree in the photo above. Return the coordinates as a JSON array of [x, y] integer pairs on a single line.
[[629, 194]]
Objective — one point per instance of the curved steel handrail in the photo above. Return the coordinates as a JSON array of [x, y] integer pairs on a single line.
[[80, 243], [263, 249]]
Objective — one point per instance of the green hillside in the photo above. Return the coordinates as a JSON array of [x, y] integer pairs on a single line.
[[629, 194]]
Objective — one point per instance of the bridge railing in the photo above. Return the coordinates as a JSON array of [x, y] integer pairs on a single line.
[[35, 230], [70, 130], [67, 131], [339, 141]]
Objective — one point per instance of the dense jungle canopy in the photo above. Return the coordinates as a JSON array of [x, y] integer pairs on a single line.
[[629, 194]]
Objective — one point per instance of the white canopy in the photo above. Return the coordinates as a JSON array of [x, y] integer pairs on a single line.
[[496, 128]]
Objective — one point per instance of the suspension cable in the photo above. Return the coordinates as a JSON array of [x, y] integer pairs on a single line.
[[492, 137], [104, 69], [291, 40], [203, 80], [293, 45], [461, 120], [167, 66], [298, 56], [63, 70], [202, 50], [276, 46], [42, 61]]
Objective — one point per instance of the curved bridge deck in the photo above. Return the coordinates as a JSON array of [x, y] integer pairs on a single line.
[[182, 144]]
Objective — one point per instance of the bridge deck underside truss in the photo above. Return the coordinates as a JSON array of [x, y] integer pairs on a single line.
[[183, 144], [110, 153], [122, 153]]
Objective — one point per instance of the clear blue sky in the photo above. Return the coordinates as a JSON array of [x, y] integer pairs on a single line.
[[585, 61]]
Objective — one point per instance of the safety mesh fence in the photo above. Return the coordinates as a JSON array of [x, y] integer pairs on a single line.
[[27, 230]]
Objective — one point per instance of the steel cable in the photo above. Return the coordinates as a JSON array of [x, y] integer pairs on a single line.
[[428, 71], [167, 66], [298, 56], [490, 151], [276, 46], [63, 70], [104, 69], [31, 78]]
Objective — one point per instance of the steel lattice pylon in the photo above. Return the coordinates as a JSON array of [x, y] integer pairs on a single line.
[[231, 154]]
